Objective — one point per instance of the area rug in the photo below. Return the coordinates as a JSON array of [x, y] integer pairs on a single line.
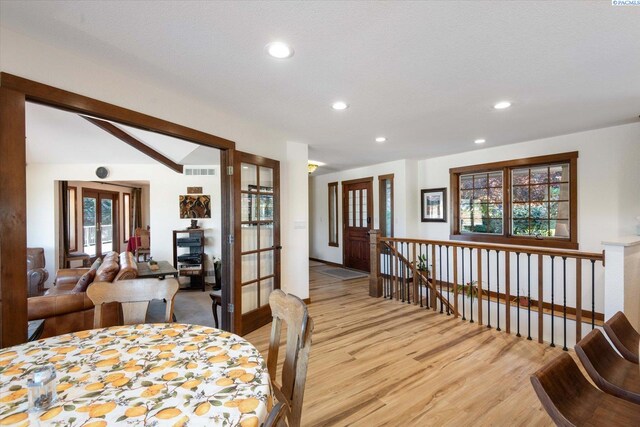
[[341, 273]]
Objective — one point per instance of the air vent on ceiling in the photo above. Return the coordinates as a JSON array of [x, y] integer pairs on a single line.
[[199, 171]]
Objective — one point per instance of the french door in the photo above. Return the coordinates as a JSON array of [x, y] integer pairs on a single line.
[[99, 222], [357, 217], [257, 239]]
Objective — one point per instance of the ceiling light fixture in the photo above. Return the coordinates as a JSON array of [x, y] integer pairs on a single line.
[[502, 105], [311, 167], [381, 139], [279, 50], [339, 105], [480, 141]]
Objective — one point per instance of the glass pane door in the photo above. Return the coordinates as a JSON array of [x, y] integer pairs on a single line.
[[99, 223], [89, 224], [106, 225], [258, 269], [259, 238]]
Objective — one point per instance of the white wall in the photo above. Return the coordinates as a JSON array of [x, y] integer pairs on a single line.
[[608, 179], [165, 186], [404, 182], [43, 62]]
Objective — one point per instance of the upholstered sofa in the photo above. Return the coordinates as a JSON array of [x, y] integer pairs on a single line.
[[37, 274], [67, 308]]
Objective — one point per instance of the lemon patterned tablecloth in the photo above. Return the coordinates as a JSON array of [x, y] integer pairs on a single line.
[[152, 374]]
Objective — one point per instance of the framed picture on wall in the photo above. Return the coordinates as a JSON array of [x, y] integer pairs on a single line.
[[195, 206], [433, 203]]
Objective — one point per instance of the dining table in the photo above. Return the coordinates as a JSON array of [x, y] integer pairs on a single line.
[[147, 374]]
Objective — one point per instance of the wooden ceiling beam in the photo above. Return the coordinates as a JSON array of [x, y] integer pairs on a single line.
[[134, 142]]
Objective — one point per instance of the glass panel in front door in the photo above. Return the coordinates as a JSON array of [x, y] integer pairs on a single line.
[[89, 213]]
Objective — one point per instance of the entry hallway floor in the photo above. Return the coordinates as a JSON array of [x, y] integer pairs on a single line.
[[376, 362]]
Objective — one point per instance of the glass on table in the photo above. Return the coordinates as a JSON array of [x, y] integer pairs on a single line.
[[42, 388]]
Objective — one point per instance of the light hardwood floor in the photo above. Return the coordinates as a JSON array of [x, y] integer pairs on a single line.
[[376, 362]]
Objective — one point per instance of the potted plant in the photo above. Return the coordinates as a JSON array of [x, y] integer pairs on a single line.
[[421, 265], [469, 289]]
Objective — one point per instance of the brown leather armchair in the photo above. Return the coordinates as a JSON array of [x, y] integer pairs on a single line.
[[37, 275], [66, 310]]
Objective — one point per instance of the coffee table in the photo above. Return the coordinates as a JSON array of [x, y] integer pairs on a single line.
[[164, 269]]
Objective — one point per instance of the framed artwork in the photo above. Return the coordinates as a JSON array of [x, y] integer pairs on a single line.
[[433, 204], [195, 206]]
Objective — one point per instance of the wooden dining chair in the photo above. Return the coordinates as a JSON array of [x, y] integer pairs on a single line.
[[144, 244], [611, 373], [571, 400], [277, 416], [134, 296], [623, 336], [293, 311]]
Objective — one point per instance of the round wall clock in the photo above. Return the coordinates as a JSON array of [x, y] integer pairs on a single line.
[[102, 172]]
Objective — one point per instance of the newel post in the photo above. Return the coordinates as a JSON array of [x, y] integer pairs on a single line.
[[375, 281], [622, 278]]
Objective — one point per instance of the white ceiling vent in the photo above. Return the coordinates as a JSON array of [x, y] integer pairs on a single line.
[[199, 171]]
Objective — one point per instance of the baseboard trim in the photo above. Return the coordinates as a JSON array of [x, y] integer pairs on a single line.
[[335, 264]]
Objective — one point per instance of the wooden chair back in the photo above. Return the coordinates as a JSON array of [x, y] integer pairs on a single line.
[[607, 369], [625, 339], [134, 296], [571, 400], [145, 239], [293, 311], [277, 416]]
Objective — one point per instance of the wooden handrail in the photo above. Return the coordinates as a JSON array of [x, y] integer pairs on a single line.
[[419, 274], [485, 272], [506, 248]]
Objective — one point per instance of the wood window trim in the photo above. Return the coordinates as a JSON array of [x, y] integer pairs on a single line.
[[126, 217], [333, 211], [506, 167], [381, 198], [73, 204]]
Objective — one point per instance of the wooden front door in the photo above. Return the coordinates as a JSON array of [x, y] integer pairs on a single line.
[[357, 217], [257, 239]]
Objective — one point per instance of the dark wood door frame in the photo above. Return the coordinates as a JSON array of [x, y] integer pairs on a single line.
[[345, 209], [14, 93]]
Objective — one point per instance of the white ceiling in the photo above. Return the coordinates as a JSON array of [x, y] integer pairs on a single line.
[[423, 74], [56, 136]]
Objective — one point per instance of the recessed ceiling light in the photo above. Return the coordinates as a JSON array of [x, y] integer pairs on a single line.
[[502, 105], [339, 105], [381, 139], [280, 50], [480, 141]]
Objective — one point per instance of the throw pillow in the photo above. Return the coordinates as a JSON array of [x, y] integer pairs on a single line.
[[96, 264], [111, 256], [85, 281], [107, 271]]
